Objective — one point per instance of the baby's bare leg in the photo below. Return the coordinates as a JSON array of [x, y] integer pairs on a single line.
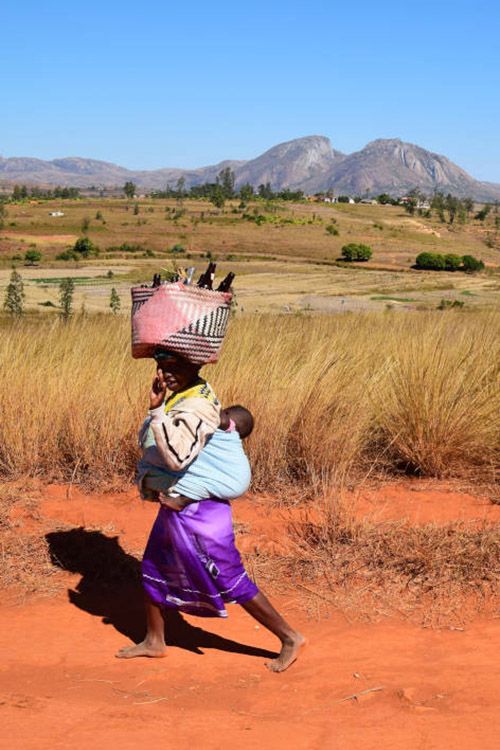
[[175, 503]]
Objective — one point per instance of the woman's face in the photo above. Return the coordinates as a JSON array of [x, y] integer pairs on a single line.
[[177, 372]]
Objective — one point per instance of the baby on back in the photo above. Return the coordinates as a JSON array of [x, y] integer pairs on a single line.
[[220, 471]]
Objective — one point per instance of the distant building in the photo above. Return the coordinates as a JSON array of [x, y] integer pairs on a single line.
[[423, 204], [56, 213]]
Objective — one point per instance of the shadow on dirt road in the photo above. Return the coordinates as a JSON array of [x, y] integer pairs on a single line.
[[110, 588]]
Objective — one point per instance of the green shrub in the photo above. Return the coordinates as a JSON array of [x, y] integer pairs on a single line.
[[68, 255], [483, 213], [452, 262], [32, 256], [332, 229], [447, 304], [471, 264], [356, 252], [449, 262], [177, 249], [127, 247], [431, 261], [85, 247]]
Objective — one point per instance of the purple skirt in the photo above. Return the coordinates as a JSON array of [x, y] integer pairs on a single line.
[[191, 562]]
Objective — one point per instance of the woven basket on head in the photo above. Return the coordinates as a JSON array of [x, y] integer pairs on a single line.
[[184, 319]]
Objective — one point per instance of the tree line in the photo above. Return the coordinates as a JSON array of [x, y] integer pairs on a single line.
[[220, 191], [22, 193]]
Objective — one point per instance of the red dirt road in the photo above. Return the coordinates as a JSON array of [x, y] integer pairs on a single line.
[[61, 687]]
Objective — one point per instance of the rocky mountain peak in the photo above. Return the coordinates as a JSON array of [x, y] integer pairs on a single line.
[[385, 165]]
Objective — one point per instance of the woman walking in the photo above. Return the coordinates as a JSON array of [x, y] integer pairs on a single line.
[[191, 562]]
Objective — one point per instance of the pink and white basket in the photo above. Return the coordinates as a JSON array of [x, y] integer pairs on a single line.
[[185, 319]]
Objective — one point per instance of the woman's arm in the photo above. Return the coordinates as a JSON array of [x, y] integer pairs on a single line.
[[181, 433]]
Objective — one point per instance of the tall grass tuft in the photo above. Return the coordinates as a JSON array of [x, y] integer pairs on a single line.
[[332, 395]]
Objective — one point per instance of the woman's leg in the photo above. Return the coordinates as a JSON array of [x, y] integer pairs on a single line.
[[263, 611], [154, 642]]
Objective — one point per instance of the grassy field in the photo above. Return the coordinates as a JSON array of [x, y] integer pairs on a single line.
[[335, 397], [290, 255]]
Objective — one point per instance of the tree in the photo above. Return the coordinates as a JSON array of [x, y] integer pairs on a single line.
[[217, 196], [468, 204], [483, 213], [384, 199], [410, 204], [356, 252], [265, 191], [246, 192], [66, 289], [129, 189], [438, 204], [85, 224], [114, 301], [85, 247], [225, 179], [452, 205], [14, 294], [180, 187], [19, 193], [32, 256]]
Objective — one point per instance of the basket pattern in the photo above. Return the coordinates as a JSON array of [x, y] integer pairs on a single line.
[[185, 319]]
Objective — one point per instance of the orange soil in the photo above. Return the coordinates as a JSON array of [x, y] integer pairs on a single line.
[[60, 686], [422, 502]]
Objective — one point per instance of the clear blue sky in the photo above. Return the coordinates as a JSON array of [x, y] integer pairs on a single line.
[[156, 84]]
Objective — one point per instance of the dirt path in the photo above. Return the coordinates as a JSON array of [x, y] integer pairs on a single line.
[[60, 686]]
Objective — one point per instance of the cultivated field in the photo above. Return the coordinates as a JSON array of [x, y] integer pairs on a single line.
[[289, 254]]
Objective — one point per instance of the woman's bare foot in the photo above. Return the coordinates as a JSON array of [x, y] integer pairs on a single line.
[[289, 652], [145, 648]]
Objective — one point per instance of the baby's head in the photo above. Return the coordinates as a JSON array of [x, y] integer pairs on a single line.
[[242, 418]]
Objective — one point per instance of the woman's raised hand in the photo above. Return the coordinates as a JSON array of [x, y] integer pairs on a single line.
[[158, 390]]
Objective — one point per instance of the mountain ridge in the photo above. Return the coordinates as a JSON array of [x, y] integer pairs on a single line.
[[310, 163]]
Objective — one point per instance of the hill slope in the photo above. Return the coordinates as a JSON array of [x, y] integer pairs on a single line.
[[309, 164]]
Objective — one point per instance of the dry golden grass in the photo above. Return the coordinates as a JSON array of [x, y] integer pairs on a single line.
[[24, 558], [333, 396], [434, 575]]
